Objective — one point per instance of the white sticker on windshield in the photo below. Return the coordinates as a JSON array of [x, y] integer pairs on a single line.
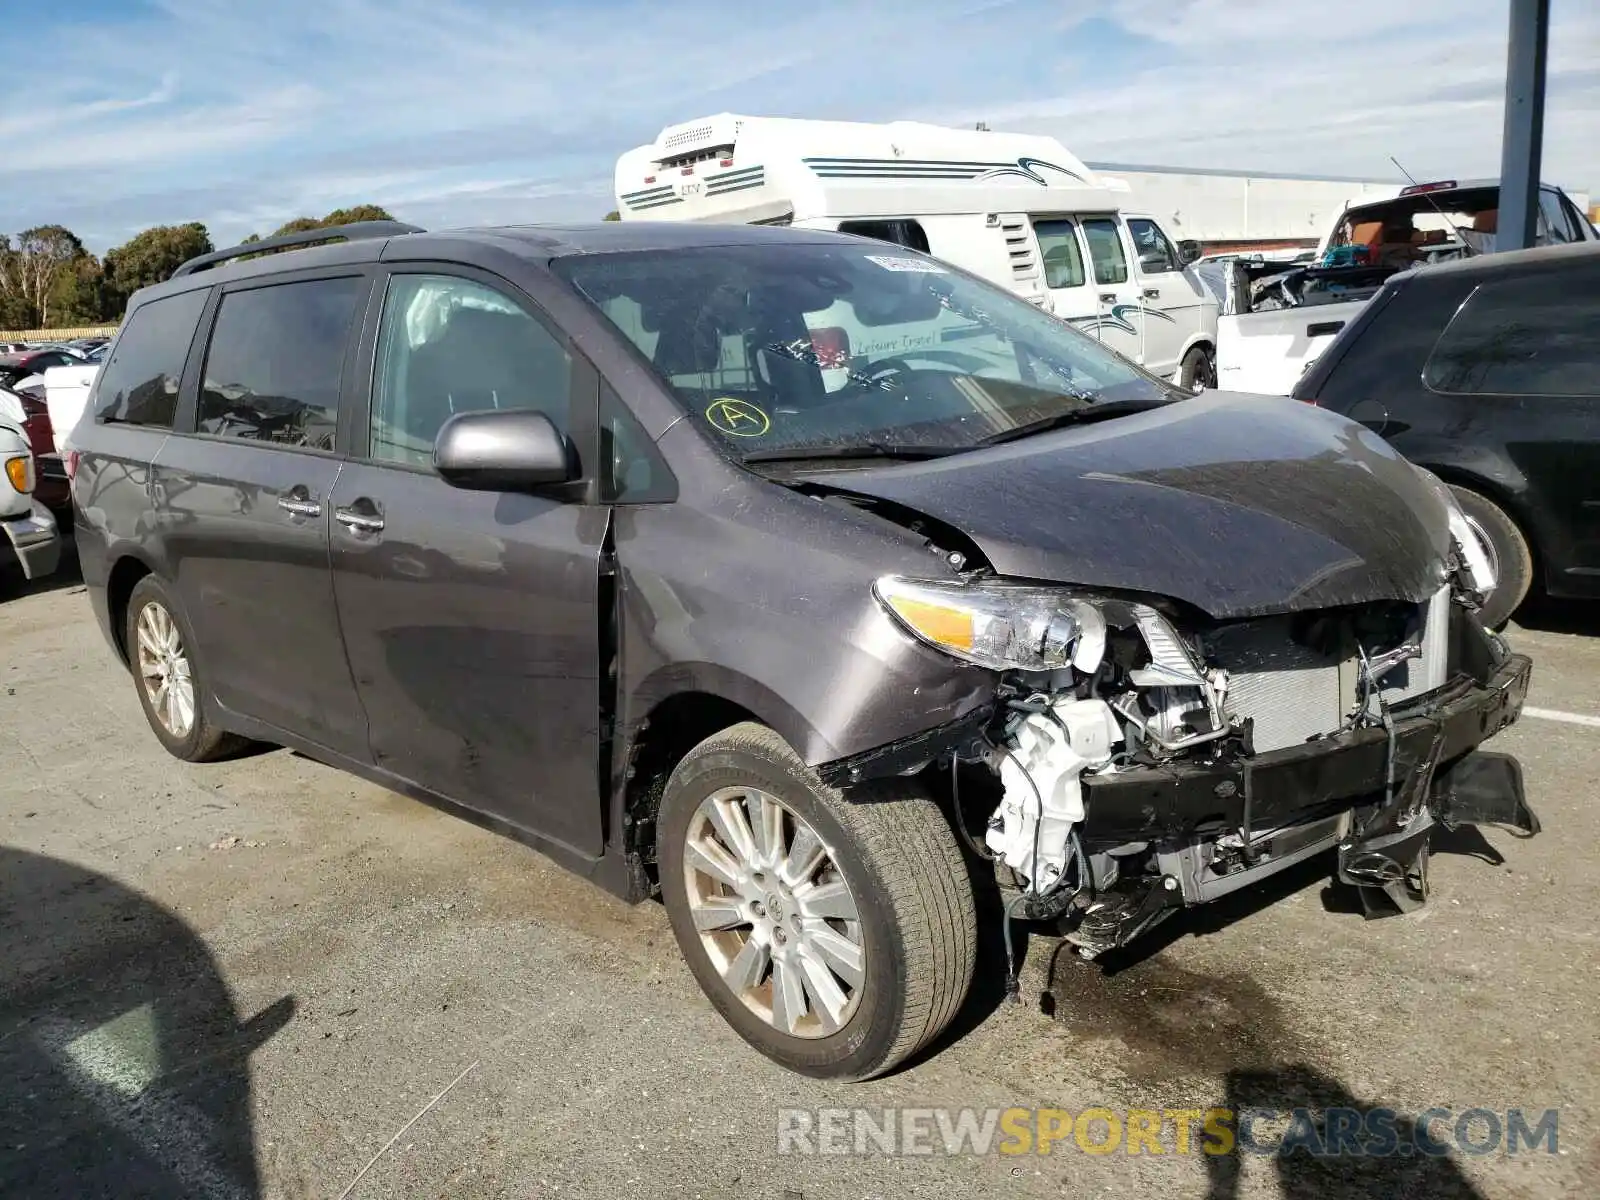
[[921, 266]]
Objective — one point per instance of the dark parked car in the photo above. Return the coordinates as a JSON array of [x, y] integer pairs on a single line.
[[1486, 371], [14, 368], [794, 577]]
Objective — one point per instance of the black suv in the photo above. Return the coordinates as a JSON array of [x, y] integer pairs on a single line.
[[799, 579], [1486, 371]]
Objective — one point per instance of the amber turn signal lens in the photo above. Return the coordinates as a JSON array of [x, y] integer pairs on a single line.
[[19, 471]]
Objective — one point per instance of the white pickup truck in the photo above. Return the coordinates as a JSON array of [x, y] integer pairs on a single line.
[[1276, 318], [31, 537]]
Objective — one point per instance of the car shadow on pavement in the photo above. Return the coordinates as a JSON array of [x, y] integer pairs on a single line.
[[1175, 1023], [1545, 615], [124, 1067]]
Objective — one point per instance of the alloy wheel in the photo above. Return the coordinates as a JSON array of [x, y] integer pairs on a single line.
[[165, 671], [1486, 543], [774, 912]]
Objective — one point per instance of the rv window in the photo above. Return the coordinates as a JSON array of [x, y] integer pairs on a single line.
[[900, 231], [1105, 250], [1058, 248]]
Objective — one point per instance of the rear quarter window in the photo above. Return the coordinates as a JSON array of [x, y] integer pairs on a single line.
[[1529, 336], [1386, 353], [139, 383]]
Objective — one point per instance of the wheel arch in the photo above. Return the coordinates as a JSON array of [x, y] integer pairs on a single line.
[[124, 576], [1499, 493], [682, 706]]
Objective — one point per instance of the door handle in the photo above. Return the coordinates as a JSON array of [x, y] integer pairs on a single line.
[[1108, 297], [357, 521], [1152, 293], [298, 504]]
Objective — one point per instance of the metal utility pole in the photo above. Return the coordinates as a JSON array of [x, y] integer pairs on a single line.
[[1527, 52]]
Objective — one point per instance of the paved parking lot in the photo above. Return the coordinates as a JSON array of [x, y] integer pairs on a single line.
[[247, 978]]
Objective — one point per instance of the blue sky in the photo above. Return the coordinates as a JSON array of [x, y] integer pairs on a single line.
[[242, 113]]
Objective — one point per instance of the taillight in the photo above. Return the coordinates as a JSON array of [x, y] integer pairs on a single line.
[[1311, 400], [70, 461]]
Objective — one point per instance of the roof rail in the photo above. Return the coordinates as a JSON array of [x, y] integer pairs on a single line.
[[354, 232]]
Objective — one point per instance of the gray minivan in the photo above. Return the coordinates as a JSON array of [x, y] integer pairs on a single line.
[[802, 580]]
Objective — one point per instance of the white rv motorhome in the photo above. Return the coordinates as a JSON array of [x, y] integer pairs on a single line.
[[1016, 209]]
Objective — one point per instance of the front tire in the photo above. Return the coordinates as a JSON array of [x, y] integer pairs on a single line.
[[1199, 370], [1508, 553], [170, 684], [837, 938]]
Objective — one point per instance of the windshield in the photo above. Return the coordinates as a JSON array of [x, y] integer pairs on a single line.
[[832, 348]]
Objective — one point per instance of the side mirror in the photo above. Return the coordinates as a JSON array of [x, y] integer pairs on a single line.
[[509, 450], [1188, 251]]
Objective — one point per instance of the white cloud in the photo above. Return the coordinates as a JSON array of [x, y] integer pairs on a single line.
[[468, 111], [1286, 85]]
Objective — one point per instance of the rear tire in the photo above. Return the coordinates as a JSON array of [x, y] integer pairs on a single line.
[[171, 684], [900, 926], [1199, 370], [1508, 552]]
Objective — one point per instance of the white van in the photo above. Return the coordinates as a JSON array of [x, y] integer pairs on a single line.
[[1016, 209]]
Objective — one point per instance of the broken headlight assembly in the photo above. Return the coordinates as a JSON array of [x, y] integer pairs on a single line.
[[1476, 568], [1065, 641], [1090, 681], [999, 626]]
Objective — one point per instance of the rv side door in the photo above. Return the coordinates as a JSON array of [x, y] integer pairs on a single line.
[[1119, 317], [1062, 262]]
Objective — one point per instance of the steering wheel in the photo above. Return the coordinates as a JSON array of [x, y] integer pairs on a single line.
[[888, 366], [901, 362]]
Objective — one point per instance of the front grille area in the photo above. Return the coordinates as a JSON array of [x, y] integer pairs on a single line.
[[1292, 693]]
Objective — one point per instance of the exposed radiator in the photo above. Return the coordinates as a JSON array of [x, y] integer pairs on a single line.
[[1291, 693]]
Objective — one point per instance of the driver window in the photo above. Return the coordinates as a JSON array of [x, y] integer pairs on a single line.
[[1156, 255], [450, 346]]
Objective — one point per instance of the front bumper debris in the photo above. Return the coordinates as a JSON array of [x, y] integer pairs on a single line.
[[1285, 786], [36, 541], [1222, 827]]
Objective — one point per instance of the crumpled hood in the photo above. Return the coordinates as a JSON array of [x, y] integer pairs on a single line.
[[1240, 505]]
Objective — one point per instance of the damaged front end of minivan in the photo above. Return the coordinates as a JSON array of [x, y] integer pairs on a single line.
[[1146, 757]]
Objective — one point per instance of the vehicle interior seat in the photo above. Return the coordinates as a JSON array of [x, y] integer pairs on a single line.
[[484, 360], [687, 345]]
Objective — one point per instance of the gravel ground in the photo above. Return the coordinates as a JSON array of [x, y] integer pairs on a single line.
[[249, 978]]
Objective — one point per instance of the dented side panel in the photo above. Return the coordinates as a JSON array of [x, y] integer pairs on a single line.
[[763, 597]]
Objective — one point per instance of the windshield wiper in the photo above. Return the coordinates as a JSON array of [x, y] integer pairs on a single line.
[[854, 450], [1076, 416]]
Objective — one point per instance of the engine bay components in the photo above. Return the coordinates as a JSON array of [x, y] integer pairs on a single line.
[[1040, 766]]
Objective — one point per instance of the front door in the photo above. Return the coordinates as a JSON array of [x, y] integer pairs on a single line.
[[1171, 298], [243, 506], [470, 618], [1119, 316]]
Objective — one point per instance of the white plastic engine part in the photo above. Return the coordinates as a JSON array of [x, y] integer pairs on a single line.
[[1052, 750]]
